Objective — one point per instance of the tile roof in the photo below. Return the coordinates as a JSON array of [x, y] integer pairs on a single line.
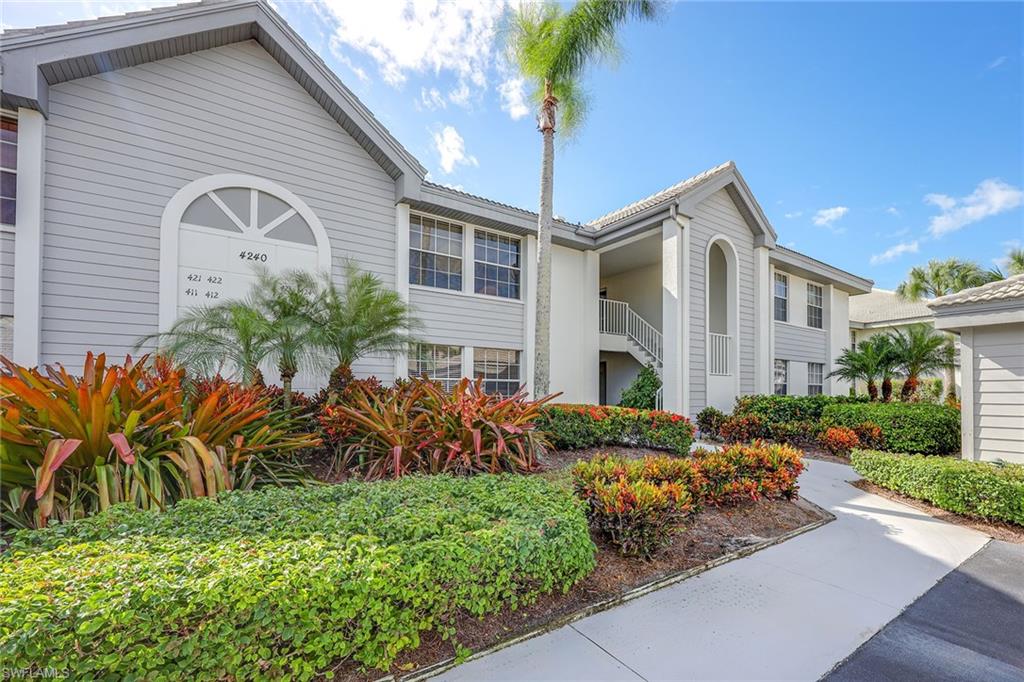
[[885, 306], [469, 195], [1009, 289], [658, 197]]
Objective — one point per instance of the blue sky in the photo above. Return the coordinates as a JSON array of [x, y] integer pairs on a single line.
[[875, 135]]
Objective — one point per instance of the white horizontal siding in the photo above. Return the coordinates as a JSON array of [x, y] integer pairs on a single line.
[[800, 344], [461, 320], [6, 273], [718, 215], [122, 143], [998, 386]]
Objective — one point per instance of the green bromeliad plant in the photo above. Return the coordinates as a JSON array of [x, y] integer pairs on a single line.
[[74, 445]]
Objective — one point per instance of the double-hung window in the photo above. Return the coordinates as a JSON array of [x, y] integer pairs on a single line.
[[435, 253], [497, 267], [499, 368], [8, 169], [815, 299], [781, 297], [442, 364], [781, 377], [815, 378]]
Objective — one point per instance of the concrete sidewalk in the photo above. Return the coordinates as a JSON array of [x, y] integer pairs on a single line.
[[789, 612]]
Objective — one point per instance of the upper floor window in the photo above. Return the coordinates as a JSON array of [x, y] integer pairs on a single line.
[[8, 169], [815, 378], [499, 369], [497, 264], [781, 383], [781, 297], [442, 364], [815, 299], [435, 253]]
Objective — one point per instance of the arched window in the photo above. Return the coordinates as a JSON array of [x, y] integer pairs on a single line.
[[216, 230]]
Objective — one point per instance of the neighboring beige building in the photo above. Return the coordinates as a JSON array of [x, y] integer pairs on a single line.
[[990, 321], [882, 311]]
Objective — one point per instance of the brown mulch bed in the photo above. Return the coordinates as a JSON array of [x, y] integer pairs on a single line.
[[1007, 532], [713, 533], [823, 455]]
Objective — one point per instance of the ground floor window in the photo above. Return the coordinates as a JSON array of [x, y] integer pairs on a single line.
[[7, 336], [781, 377], [815, 378], [442, 364], [498, 368]]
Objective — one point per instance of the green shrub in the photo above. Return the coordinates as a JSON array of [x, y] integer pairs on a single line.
[[776, 409], [643, 392], [742, 428], [981, 489], [284, 582], [709, 423], [571, 427], [802, 433], [918, 428]]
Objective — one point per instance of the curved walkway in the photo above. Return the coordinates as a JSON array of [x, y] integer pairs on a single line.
[[789, 612]]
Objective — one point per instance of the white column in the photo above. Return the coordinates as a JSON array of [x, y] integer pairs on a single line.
[[590, 344], [28, 240], [529, 265], [967, 411], [467, 361], [762, 321], [674, 309], [402, 274], [837, 322]]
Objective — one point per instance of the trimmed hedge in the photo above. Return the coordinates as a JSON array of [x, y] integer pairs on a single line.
[[981, 489], [571, 427], [776, 409], [917, 428], [284, 582]]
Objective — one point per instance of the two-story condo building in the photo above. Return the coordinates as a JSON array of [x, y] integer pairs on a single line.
[[149, 160]]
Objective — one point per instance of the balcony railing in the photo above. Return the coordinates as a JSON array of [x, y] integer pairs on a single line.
[[618, 318], [719, 352]]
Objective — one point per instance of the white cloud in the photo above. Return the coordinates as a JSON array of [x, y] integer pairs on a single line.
[[1002, 262], [452, 149], [513, 98], [827, 216], [432, 99], [991, 197], [894, 252], [996, 63], [406, 36], [892, 210], [793, 214], [460, 95]]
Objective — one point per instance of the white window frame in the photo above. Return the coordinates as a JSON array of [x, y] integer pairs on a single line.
[[816, 290], [519, 269], [464, 232], [417, 358], [783, 279], [4, 113], [485, 355], [785, 377], [812, 369]]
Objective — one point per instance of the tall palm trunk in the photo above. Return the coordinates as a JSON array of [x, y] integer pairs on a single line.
[[542, 354], [286, 383], [949, 373]]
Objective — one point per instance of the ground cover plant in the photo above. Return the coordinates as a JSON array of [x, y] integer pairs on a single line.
[[994, 492], [74, 445], [284, 582], [920, 428], [573, 427]]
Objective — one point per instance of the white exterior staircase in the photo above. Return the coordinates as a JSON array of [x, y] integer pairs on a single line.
[[640, 338]]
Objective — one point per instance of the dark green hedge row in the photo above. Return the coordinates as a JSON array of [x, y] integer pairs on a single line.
[[918, 428], [571, 427], [776, 409], [981, 489], [283, 582]]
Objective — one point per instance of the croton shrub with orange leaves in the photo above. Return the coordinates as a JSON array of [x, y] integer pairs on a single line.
[[571, 427], [417, 427], [72, 445]]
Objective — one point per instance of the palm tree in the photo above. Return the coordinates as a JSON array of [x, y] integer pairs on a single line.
[[1015, 261], [553, 47], [919, 349], [939, 278], [233, 337], [868, 362], [360, 318], [883, 353]]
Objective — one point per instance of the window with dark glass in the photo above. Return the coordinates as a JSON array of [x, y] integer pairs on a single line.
[[781, 297], [497, 266], [781, 377], [815, 302], [815, 378], [498, 368], [435, 253], [8, 169]]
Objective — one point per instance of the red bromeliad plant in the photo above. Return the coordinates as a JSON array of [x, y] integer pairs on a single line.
[[418, 427]]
